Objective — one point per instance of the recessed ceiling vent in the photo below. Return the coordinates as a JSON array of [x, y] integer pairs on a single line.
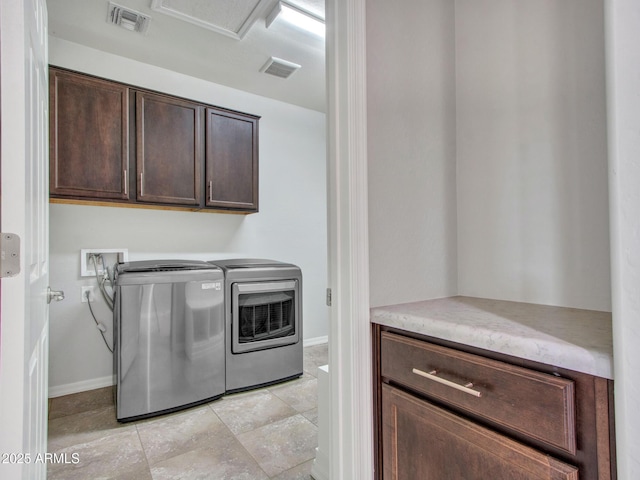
[[127, 18], [279, 68]]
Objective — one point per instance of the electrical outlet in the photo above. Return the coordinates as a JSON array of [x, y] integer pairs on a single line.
[[110, 256], [92, 293]]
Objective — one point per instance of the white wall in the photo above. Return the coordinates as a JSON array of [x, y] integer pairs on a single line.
[[623, 74], [487, 151], [531, 152], [411, 150], [291, 224]]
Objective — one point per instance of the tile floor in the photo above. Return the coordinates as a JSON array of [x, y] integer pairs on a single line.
[[268, 433]]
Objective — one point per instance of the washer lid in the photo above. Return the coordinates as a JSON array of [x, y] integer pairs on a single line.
[[164, 266]]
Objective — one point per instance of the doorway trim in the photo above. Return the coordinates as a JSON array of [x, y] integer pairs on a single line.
[[350, 361]]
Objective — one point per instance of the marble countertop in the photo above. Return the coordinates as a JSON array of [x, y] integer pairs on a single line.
[[570, 338]]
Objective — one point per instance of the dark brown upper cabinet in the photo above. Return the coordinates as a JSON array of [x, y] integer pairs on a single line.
[[169, 150], [232, 160], [117, 143], [89, 128]]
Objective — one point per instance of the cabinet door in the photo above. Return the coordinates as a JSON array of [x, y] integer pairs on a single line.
[[423, 441], [88, 123], [169, 150], [231, 160]]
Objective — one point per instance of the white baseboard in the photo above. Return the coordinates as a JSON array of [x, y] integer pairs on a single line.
[[310, 342], [77, 387], [320, 466]]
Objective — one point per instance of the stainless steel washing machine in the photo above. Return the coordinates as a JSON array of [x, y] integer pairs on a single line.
[[263, 320], [168, 336]]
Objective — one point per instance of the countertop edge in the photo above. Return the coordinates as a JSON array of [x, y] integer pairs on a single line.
[[510, 334]]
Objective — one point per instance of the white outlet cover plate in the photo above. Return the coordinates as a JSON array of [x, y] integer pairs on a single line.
[[92, 293]]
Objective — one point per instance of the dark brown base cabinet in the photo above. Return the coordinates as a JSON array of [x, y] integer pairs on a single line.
[[112, 144], [447, 411], [428, 442]]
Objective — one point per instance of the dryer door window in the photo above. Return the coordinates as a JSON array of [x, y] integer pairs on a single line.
[[264, 315]]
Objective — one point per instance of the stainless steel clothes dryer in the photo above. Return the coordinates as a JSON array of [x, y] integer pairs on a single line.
[[263, 319], [168, 336]]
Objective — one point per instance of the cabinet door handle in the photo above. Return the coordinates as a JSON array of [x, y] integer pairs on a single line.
[[210, 191], [126, 184], [141, 184], [432, 375]]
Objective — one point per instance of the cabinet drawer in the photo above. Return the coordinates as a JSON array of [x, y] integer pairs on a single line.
[[538, 405]]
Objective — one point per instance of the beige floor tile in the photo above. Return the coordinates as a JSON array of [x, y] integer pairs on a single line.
[[300, 472], [277, 424], [248, 411], [222, 461], [117, 455], [171, 435], [80, 402], [301, 394], [312, 416], [83, 427], [314, 357], [282, 445]]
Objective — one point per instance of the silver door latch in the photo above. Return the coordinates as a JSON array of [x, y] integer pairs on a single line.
[[9, 255], [57, 295]]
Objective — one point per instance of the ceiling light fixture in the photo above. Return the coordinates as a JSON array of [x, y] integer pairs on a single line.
[[297, 17]]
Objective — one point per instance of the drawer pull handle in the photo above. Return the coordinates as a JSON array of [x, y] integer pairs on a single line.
[[432, 375]]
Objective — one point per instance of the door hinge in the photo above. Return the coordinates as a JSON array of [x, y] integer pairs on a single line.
[[9, 255], [328, 297]]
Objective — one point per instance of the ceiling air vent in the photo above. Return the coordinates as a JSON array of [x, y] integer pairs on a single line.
[[127, 18], [279, 68]]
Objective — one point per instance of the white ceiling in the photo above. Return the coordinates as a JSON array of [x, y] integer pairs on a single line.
[[187, 48]]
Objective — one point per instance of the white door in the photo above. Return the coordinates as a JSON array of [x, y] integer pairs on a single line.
[[24, 315]]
